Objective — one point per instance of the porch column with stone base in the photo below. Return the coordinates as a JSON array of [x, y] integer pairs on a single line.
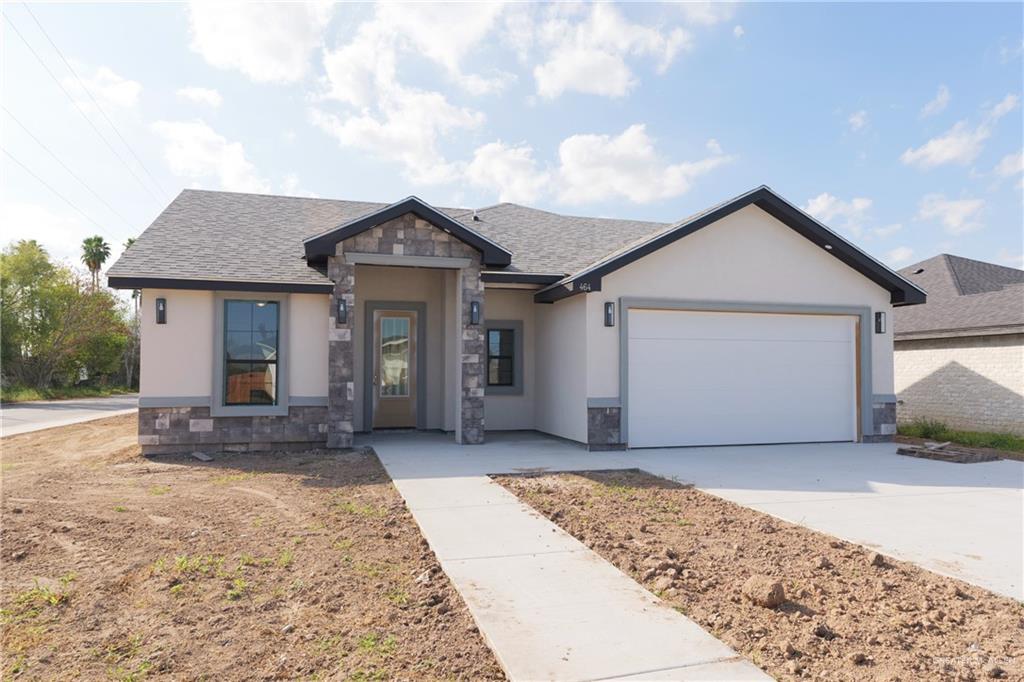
[[341, 354], [469, 417]]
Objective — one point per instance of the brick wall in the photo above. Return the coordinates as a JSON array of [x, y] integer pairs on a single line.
[[973, 383]]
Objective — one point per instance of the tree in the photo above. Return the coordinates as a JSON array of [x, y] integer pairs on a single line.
[[53, 324], [95, 252]]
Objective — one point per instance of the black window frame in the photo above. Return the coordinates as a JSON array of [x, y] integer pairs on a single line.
[[511, 357], [226, 360]]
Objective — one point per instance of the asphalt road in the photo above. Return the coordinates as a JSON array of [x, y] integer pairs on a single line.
[[45, 414]]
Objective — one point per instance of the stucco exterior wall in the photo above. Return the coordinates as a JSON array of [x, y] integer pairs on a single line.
[[308, 321], [408, 285], [561, 344], [177, 357], [748, 256], [508, 412], [973, 383]]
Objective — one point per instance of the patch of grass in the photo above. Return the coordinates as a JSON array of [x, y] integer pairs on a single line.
[[120, 508], [285, 558], [397, 596], [234, 478], [238, 589], [20, 394], [159, 490], [358, 508], [139, 672], [936, 430], [372, 643]]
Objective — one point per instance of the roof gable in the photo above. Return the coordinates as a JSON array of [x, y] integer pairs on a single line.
[[902, 291], [319, 247]]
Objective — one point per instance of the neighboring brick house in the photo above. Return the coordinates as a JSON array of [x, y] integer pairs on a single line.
[[273, 323], [960, 357]]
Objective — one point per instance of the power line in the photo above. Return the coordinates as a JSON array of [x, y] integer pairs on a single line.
[[50, 187], [70, 172], [79, 109], [94, 101]]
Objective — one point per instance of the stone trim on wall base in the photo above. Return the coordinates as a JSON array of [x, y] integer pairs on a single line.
[[165, 430], [604, 428]]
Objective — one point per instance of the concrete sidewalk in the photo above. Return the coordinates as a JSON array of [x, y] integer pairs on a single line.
[[548, 606], [36, 415]]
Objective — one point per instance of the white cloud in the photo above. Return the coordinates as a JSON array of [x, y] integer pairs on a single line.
[[109, 89], [958, 216], [268, 42], [207, 96], [407, 130], [738, 31], [1010, 165], [887, 230], [849, 215], [588, 55], [937, 104], [194, 150], [707, 13], [960, 144], [292, 186], [60, 233], [602, 167], [857, 120], [899, 256], [511, 171]]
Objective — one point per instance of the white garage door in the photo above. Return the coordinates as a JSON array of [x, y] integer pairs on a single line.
[[711, 378]]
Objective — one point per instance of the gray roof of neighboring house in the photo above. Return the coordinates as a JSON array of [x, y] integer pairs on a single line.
[[965, 297], [228, 236]]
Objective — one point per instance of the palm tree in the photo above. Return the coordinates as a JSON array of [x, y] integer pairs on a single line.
[[95, 252]]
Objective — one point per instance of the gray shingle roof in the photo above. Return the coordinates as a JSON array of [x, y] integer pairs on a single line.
[[229, 236], [964, 296]]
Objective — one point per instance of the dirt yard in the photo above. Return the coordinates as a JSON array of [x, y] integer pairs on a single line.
[[847, 614], [249, 567]]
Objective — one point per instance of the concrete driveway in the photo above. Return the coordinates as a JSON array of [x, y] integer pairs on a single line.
[[961, 520], [46, 414]]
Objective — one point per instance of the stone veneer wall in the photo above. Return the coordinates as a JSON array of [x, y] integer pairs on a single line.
[[883, 414], [188, 429], [406, 235], [604, 428]]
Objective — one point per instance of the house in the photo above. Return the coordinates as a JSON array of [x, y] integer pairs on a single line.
[[960, 358], [275, 322]]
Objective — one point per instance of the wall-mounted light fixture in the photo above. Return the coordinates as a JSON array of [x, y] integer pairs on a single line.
[[474, 312], [161, 311], [342, 315], [609, 314], [879, 323]]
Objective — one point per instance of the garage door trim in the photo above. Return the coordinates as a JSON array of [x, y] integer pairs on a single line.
[[863, 313]]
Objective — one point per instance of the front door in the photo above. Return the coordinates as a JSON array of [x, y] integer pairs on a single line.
[[394, 369]]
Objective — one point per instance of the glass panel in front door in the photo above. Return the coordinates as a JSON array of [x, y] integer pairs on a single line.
[[394, 357]]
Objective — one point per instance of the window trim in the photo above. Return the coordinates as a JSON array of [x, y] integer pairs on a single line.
[[217, 406], [517, 357]]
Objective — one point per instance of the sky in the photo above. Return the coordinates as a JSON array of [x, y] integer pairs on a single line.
[[898, 125]]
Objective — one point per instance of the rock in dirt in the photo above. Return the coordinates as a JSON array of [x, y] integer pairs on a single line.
[[764, 591], [202, 456], [287, 628], [877, 560], [858, 658], [662, 583], [823, 563], [994, 671], [823, 631]]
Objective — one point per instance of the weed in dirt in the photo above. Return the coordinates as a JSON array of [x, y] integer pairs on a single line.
[[120, 508], [397, 596], [343, 545], [159, 490], [285, 558], [234, 478], [358, 508], [372, 643], [246, 560], [368, 676], [176, 590], [238, 589], [135, 674]]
